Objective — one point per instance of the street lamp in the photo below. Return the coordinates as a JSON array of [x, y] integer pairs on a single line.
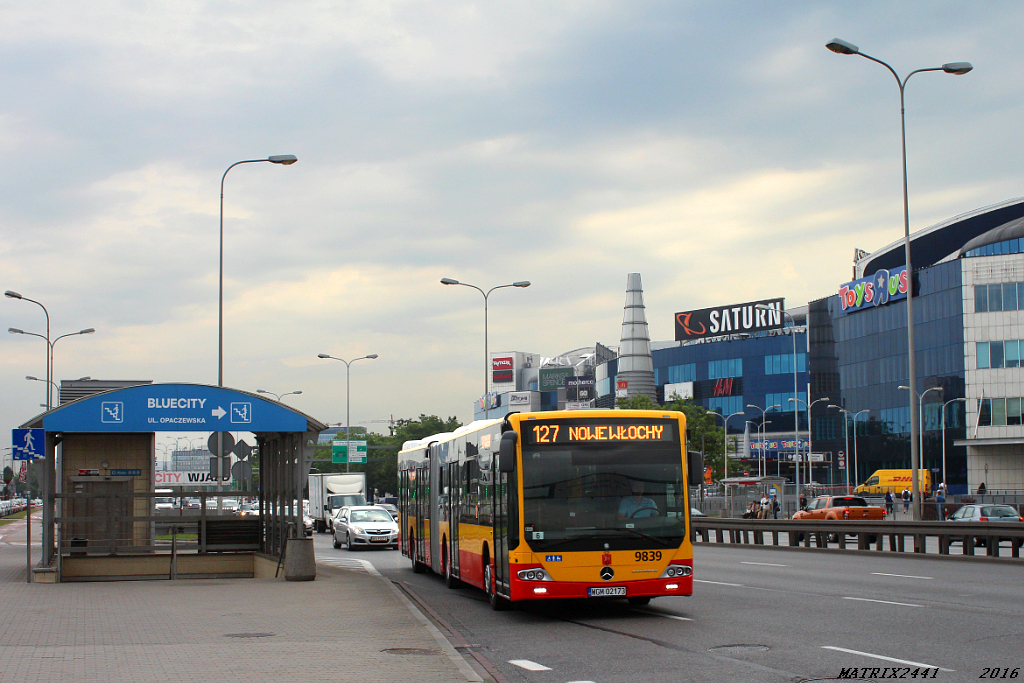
[[725, 439], [49, 356], [846, 414], [958, 69], [763, 456], [796, 394], [920, 450], [952, 400], [284, 160], [487, 360], [277, 397], [810, 471], [348, 432], [14, 295]]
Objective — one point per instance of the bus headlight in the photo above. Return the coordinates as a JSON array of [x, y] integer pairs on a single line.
[[676, 570], [536, 574]]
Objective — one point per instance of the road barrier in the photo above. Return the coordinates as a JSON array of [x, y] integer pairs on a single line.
[[884, 536]]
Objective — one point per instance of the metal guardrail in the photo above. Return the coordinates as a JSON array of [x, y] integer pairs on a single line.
[[884, 536]]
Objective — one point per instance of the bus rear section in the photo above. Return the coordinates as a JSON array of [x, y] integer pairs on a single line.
[[601, 507]]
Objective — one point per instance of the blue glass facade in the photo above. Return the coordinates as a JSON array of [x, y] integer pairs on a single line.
[[859, 361], [761, 370]]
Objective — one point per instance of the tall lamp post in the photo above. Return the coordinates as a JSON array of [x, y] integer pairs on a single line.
[[957, 69], [14, 295], [725, 439], [796, 394], [952, 400], [487, 360], [277, 397], [920, 436], [284, 160], [809, 441], [853, 415], [763, 456], [51, 384], [348, 403]]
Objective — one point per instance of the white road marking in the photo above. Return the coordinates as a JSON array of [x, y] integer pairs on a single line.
[[719, 583], [353, 563], [884, 602], [886, 659], [765, 564], [528, 665], [904, 576]]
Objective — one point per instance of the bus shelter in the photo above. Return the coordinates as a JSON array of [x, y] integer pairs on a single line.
[[741, 491], [98, 487]]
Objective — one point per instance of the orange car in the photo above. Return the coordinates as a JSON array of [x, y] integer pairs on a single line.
[[841, 508]]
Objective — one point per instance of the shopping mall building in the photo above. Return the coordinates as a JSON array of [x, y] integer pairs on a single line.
[[851, 353]]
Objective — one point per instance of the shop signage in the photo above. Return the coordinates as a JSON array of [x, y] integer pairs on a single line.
[[715, 388], [502, 375], [733, 319], [519, 398], [551, 379], [579, 388], [172, 478], [501, 363], [884, 287]]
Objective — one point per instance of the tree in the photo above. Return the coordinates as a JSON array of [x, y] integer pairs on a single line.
[[639, 402]]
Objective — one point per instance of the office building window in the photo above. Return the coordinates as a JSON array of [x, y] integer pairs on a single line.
[[684, 373], [782, 400], [726, 405], [782, 364], [732, 367], [999, 354]]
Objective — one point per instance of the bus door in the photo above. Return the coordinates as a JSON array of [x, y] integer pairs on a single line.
[[455, 504], [500, 502], [431, 506], [421, 506]]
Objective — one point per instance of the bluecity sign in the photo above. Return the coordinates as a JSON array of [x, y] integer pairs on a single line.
[[174, 408]]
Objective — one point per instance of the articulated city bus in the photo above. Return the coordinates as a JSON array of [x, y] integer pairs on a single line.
[[560, 504]]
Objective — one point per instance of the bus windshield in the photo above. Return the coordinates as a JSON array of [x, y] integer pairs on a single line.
[[620, 496]]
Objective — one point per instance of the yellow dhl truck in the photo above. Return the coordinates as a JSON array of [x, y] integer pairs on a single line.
[[895, 481]]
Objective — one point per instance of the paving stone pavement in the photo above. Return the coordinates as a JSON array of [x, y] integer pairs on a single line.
[[336, 628]]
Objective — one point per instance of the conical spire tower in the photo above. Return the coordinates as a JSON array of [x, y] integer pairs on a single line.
[[636, 367]]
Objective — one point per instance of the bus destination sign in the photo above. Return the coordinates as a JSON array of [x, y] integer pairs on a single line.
[[575, 432]]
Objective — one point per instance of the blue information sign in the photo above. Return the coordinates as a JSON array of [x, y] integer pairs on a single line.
[[28, 444], [174, 408]]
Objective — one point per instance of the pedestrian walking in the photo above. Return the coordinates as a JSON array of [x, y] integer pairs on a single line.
[[906, 499], [940, 505], [889, 500], [803, 501]]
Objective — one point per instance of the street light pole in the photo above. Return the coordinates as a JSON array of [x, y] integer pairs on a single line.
[[284, 160], [846, 430], [277, 397], [487, 360], [796, 395], [958, 69], [920, 452], [725, 439], [348, 403], [14, 295], [952, 400], [809, 441]]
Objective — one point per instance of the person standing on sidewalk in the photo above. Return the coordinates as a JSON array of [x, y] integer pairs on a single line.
[[888, 503], [906, 500], [940, 505]]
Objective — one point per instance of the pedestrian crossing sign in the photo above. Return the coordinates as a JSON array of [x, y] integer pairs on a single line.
[[28, 444]]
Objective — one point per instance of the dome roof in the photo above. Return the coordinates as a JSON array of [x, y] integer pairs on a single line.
[[1006, 231]]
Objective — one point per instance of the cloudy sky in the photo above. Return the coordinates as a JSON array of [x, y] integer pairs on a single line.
[[716, 148]]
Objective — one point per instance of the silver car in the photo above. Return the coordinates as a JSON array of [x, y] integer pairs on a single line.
[[987, 513], [365, 525]]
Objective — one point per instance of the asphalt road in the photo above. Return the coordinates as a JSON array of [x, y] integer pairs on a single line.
[[757, 614]]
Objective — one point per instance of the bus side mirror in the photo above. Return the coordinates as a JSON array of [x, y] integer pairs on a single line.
[[507, 452], [695, 468]]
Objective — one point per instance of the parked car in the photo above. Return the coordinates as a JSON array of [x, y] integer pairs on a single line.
[[987, 513], [365, 525]]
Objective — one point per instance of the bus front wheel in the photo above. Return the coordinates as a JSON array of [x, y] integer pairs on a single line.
[[639, 600]]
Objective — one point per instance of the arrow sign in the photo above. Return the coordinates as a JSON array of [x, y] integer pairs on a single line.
[[218, 412]]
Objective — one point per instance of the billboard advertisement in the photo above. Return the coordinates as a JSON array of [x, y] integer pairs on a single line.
[[732, 319], [884, 287], [579, 389], [552, 379]]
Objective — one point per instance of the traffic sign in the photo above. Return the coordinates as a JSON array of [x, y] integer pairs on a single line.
[[339, 452], [28, 444]]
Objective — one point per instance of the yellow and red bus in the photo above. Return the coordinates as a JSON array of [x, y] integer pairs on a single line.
[[557, 504]]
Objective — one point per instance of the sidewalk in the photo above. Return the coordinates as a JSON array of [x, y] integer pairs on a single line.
[[336, 628]]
